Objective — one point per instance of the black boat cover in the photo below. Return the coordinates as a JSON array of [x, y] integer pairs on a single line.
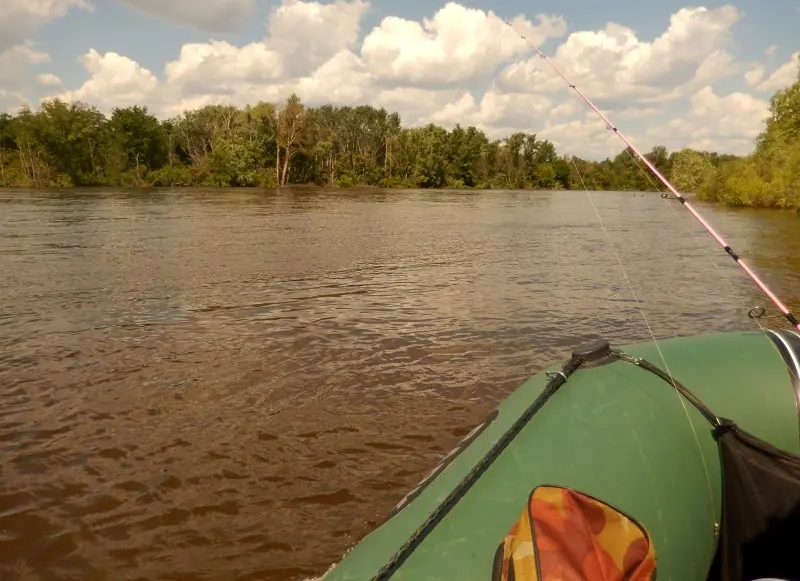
[[760, 528]]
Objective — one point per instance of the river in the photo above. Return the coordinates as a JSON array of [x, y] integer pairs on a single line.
[[241, 384]]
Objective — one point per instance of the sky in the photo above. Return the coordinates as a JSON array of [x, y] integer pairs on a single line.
[[666, 73]]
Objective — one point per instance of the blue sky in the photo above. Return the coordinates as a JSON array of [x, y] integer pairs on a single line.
[[152, 41], [116, 52]]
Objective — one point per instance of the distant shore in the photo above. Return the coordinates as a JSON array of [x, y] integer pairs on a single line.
[[266, 145], [312, 186]]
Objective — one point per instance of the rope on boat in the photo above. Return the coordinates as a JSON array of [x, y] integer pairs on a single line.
[[557, 379]]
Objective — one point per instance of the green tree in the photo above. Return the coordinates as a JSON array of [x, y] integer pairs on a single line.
[[138, 141], [269, 144], [783, 125], [690, 170], [771, 175], [293, 135]]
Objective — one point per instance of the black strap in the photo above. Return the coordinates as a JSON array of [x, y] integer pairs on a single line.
[[680, 388]]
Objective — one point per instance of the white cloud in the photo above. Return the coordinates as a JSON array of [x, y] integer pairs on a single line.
[[463, 65], [307, 34], [496, 113], [14, 61], [11, 101], [223, 66], [413, 103], [17, 77], [781, 78], [728, 123], [565, 108], [613, 63], [116, 81], [312, 49], [587, 138], [458, 44], [343, 78], [18, 57], [212, 15], [306, 51], [637, 112], [39, 9], [753, 76], [19, 18], [48, 80]]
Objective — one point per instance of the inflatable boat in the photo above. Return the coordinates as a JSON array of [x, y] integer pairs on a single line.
[[629, 462]]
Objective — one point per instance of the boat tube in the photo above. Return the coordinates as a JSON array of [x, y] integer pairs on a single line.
[[629, 432]]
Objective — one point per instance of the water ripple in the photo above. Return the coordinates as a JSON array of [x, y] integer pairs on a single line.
[[199, 382]]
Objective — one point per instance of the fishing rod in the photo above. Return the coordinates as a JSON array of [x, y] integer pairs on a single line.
[[721, 241]]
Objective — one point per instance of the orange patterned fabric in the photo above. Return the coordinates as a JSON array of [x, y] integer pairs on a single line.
[[565, 535]]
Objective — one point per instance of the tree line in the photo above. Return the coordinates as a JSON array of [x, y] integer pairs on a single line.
[[267, 145], [768, 177]]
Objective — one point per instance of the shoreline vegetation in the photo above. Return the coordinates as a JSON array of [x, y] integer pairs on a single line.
[[266, 145]]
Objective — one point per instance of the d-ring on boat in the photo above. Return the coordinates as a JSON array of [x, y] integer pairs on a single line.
[[677, 459]]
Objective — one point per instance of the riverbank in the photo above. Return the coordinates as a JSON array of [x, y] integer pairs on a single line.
[[770, 176], [766, 179], [268, 145], [746, 201]]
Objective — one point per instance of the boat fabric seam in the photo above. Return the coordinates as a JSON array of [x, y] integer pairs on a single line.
[[535, 545], [557, 379]]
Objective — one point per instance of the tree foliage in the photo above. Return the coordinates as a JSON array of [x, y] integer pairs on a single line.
[[271, 145], [690, 170], [771, 175], [264, 145]]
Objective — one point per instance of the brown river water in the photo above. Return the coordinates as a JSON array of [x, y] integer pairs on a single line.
[[226, 385]]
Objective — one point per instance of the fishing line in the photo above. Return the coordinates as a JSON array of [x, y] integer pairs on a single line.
[[652, 336], [611, 127], [756, 318], [705, 251], [721, 241], [614, 251]]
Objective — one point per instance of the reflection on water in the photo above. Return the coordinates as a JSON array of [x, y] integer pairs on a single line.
[[239, 384]]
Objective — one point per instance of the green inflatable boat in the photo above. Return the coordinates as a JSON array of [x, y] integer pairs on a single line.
[[677, 460]]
